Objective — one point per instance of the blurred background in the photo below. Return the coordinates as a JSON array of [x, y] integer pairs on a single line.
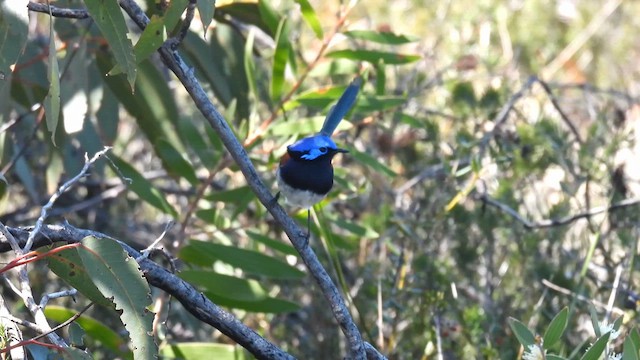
[[493, 167]]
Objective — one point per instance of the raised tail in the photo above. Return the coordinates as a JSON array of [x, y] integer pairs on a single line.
[[341, 108]]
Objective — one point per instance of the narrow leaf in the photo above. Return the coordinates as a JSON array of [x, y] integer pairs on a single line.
[[110, 21], [266, 305], [206, 9], [280, 58], [118, 277], [142, 187], [597, 348], [524, 335], [174, 163], [374, 56], [153, 36], [93, 328], [201, 350], [556, 328], [373, 163], [52, 101], [226, 286], [629, 350], [310, 17], [381, 37], [248, 260]]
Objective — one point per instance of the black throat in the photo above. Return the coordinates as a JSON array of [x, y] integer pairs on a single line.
[[314, 175]]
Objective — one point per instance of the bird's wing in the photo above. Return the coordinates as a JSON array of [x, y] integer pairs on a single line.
[[341, 108]]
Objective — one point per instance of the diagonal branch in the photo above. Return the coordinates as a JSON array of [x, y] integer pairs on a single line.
[[297, 236], [193, 300]]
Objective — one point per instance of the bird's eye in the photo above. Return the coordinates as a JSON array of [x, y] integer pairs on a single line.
[[323, 149]]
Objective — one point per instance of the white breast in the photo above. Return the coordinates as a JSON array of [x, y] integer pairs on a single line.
[[299, 198]]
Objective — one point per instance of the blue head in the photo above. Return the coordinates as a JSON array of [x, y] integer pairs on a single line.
[[314, 147]]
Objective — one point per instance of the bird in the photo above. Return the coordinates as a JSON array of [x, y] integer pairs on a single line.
[[305, 173]]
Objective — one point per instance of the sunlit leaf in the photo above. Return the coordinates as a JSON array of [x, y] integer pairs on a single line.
[[374, 56], [252, 262], [310, 17], [381, 37]]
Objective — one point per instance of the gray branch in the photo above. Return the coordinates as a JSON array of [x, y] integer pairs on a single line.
[[297, 236], [193, 300]]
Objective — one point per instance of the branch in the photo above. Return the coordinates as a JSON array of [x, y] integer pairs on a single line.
[[59, 12], [297, 236], [193, 300], [547, 223]]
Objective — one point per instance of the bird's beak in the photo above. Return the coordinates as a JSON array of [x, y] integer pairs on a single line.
[[338, 150]]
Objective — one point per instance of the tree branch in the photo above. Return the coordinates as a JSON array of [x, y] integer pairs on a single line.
[[59, 12], [547, 223], [193, 300], [297, 236]]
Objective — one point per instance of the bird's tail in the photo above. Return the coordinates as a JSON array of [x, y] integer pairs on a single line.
[[340, 109]]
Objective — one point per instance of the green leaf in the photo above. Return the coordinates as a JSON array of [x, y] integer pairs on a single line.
[[152, 37], [192, 137], [237, 195], [206, 9], [310, 17], [269, 16], [272, 243], [554, 357], [153, 105], [357, 230], [118, 277], [68, 266], [174, 13], [597, 348], [52, 101], [556, 328], [252, 262], [174, 163], [381, 37], [4, 185], [266, 305], [374, 56], [635, 338], [225, 286], [198, 350], [110, 21], [14, 20], [593, 314], [280, 58], [371, 162], [142, 187], [524, 335], [92, 327], [629, 349]]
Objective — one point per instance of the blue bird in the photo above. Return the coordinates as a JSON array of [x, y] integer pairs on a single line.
[[305, 174]]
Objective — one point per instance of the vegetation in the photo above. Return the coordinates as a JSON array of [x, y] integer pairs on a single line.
[[491, 176]]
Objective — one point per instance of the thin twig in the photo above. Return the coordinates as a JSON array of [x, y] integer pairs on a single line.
[[547, 223], [175, 41], [61, 190], [59, 12]]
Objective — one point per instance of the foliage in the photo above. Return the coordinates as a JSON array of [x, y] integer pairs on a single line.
[[473, 193]]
